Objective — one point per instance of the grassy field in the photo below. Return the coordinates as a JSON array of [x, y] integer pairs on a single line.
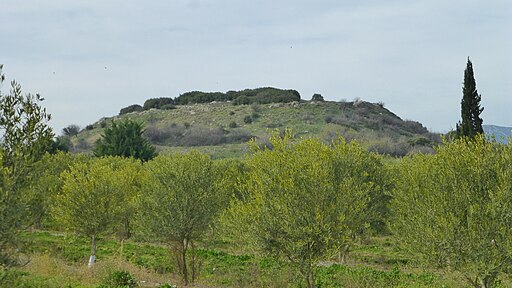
[[59, 260]]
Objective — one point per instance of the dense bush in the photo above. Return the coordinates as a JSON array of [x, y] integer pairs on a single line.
[[120, 278], [244, 97], [71, 130], [125, 138], [131, 108], [248, 119], [202, 97], [317, 97], [158, 103], [238, 136], [265, 96]]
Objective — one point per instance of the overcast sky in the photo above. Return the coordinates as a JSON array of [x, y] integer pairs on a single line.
[[91, 58]]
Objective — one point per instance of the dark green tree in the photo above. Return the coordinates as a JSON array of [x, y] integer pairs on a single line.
[[471, 124], [125, 139], [71, 130], [317, 97], [24, 138]]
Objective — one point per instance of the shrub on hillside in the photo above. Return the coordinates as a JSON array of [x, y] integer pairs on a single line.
[[120, 278], [158, 103], [199, 136], [71, 130], [238, 136], [130, 109], [194, 97], [317, 97], [386, 146]]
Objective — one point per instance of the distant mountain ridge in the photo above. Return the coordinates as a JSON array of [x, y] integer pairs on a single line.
[[500, 133]]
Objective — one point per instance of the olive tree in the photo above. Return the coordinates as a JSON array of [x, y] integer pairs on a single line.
[[24, 138], [45, 182], [302, 201], [454, 209], [95, 197], [181, 200]]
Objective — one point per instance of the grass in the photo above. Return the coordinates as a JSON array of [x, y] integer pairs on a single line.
[[59, 260]]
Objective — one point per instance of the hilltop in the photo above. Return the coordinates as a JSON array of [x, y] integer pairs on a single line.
[[222, 129]]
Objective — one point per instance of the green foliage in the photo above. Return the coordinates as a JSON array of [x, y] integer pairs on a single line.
[[125, 139], [71, 130], [317, 97], [60, 143], [181, 201], [45, 182], [303, 200], [157, 103], [195, 97], [471, 124], [97, 196], [264, 96], [454, 208], [130, 109], [248, 119], [168, 107], [121, 278], [244, 97], [24, 138]]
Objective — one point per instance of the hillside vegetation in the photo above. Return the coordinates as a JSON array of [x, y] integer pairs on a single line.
[[222, 129]]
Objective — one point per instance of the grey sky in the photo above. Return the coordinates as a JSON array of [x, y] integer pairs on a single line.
[[91, 58]]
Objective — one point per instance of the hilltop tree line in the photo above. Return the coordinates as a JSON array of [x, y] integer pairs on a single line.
[[243, 97]]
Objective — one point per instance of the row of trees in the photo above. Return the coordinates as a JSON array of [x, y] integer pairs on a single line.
[[302, 201], [248, 96]]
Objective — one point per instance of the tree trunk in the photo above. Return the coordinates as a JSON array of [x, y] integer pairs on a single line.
[[37, 223], [127, 231], [193, 261], [308, 277], [184, 259], [488, 280], [92, 259], [343, 254]]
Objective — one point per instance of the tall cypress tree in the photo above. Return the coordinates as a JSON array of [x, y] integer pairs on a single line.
[[471, 124]]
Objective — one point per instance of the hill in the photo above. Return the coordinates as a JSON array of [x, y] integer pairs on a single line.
[[499, 133], [222, 129]]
